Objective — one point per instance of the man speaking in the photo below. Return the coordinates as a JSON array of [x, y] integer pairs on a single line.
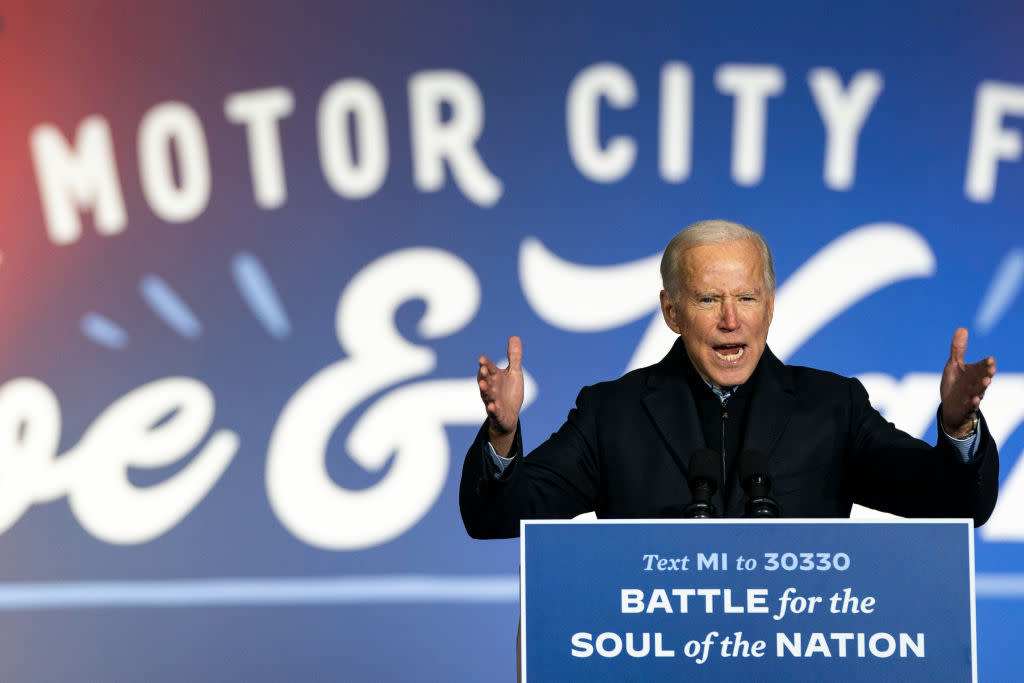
[[630, 447]]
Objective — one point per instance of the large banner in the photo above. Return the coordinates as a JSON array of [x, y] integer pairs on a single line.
[[747, 600], [250, 253]]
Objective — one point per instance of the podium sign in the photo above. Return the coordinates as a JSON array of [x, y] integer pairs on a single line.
[[722, 600]]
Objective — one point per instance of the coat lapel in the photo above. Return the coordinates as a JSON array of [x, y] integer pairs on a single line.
[[669, 402], [771, 405]]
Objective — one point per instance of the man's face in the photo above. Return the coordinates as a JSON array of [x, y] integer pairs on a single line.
[[723, 310]]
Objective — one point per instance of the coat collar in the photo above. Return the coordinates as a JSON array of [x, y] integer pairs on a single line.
[[669, 401]]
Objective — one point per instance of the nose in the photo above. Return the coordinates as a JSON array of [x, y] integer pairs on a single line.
[[729, 317]]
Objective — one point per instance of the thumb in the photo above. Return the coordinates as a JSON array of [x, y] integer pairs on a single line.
[[515, 353], [958, 348]]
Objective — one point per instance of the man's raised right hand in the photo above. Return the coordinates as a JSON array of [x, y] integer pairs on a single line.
[[502, 394]]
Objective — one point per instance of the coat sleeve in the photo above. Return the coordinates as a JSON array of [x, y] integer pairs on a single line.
[[558, 480], [890, 470]]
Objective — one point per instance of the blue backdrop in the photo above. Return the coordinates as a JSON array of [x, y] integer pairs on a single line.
[[250, 253]]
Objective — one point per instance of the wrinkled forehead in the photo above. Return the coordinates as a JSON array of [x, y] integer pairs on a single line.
[[697, 262]]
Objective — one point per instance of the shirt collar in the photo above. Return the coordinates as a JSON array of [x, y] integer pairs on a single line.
[[723, 394]]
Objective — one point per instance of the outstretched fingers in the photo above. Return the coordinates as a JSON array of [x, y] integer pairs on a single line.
[[963, 384], [501, 389], [978, 376], [486, 374]]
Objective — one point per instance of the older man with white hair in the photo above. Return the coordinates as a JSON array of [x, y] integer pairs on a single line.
[[624, 451]]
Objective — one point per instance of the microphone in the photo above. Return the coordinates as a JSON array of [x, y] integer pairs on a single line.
[[704, 481], [757, 485]]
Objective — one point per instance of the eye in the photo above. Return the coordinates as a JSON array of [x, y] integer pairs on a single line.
[[706, 300]]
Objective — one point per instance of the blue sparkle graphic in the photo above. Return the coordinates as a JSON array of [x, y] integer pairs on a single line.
[[169, 307], [1004, 288], [104, 331], [259, 294]]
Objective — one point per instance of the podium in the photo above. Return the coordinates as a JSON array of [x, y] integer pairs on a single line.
[[719, 600]]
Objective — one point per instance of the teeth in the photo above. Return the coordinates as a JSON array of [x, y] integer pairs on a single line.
[[730, 357]]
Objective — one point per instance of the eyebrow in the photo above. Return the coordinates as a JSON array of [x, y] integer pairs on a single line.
[[700, 294]]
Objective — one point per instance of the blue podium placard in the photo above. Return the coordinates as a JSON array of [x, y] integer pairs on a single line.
[[826, 600]]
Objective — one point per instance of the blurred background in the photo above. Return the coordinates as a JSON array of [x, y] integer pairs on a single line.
[[250, 252]]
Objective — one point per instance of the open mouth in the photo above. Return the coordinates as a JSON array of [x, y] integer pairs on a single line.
[[730, 352]]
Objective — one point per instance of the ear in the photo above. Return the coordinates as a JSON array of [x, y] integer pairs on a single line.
[[771, 307], [670, 312]]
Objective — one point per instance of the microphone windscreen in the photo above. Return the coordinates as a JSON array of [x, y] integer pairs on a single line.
[[753, 463], [705, 464]]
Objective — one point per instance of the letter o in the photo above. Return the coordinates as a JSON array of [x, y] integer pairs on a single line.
[[167, 126], [605, 652], [890, 643], [357, 168]]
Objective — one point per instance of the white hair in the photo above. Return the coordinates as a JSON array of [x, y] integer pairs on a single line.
[[710, 232]]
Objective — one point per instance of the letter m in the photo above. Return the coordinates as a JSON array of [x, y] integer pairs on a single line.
[[83, 177], [707, 561]]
